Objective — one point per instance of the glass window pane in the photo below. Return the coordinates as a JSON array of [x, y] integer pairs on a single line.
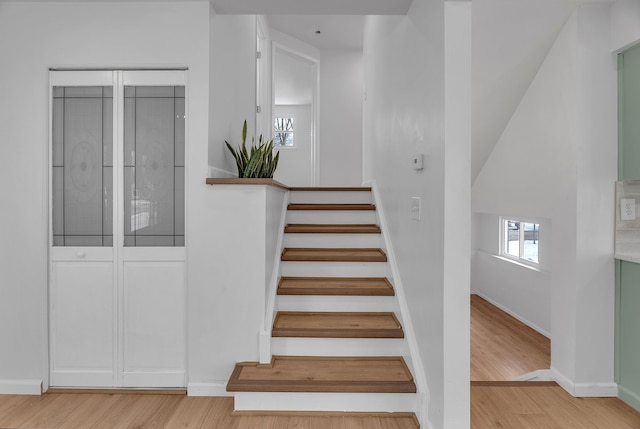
[[83, 92], [512, 238], [154, 173], [82, 197], [530, 248], [283, 131]]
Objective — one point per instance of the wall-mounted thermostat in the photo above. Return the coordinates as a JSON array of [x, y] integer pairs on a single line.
[[417, 162]]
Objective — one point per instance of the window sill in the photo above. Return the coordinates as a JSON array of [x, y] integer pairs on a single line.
[[519, 263]]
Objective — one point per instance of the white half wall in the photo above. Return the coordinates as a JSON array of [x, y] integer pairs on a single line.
[[234, 262]]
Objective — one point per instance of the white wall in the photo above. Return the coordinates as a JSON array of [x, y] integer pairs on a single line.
[[294, 164], [233, 88], [341, 117], [557, 159], [404, 113], [34, 37], [625, 24]]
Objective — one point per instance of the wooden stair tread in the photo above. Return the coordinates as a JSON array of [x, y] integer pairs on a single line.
[[334, 254], [359, 286], [314, 228], [330, 206], [336, 325], [331, 188], [324, 374]]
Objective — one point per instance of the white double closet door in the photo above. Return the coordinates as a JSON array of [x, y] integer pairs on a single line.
[[117, 288]]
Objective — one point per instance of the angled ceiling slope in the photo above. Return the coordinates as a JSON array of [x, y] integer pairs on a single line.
[[511, 39]]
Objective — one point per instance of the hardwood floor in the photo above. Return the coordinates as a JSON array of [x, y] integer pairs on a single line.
[[502, 347], [520, 406], [119, 411], [532, 407]]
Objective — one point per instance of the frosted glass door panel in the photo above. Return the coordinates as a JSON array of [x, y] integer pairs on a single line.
[[82, 119], [154, 166]]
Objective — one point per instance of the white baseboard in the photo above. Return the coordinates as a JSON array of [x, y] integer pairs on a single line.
[[512, 314], [21, 387], [585, 390], [214, 388], [537, 375]]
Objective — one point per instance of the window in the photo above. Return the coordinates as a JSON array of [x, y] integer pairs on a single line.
[[519, 240], [283, 129]]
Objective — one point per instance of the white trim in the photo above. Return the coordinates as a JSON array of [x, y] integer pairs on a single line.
[[21, 387], [269, 312], [315, 104], [214, 388], [512, 314], [409, 331], [585, 390]]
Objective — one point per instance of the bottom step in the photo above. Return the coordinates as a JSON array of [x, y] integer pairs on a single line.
[[324, 374], [327, 402]]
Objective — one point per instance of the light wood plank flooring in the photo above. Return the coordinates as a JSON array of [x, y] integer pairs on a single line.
[[119, 411], [532, 407], [502, 347]]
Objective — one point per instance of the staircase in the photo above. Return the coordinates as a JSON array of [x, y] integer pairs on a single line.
[[337, 340]]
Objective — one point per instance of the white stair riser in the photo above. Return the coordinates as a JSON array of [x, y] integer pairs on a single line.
[[336, 303], [332, 240], [333, 269], [338, 346], [331, 216], [331, 197], [297, 401]]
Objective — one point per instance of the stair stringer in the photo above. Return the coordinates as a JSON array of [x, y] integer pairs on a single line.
[[272, 291], [413, 359]]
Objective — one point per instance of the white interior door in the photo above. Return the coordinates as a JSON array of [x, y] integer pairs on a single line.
[[117, 283]]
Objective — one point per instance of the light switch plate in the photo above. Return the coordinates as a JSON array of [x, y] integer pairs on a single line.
[[414, 209]]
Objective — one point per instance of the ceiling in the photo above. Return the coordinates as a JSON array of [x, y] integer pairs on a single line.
[[312, 7], [336, 31]]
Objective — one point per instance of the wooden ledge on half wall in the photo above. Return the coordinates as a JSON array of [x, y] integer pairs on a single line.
[[245, 181]]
